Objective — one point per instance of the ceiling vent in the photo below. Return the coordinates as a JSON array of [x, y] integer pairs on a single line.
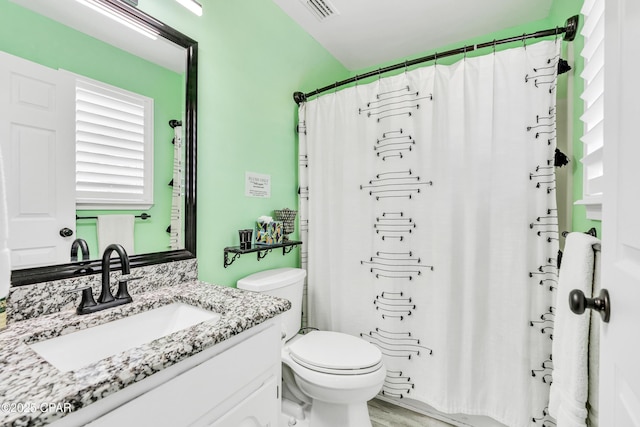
[[321, 9]]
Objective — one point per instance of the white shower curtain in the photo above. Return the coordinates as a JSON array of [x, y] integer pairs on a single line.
[[429, 219], [176, 233]]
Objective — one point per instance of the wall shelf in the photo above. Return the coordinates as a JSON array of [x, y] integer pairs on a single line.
[[261, 250]]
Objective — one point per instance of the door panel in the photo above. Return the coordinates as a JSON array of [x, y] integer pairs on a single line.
[[620, 340], [36, 133]]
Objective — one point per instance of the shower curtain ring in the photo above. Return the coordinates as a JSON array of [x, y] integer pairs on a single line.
[[524, 40], [405, 66], [436, 59], [465, 52], [379, 74], [556, 39], [335, 87], [494, 46]]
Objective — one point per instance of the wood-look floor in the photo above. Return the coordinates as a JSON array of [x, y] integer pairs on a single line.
[[385, 414]]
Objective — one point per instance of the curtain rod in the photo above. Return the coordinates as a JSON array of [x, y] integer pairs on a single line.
[[569, 30]]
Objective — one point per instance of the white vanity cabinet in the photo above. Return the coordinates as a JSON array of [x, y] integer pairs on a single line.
[[234, 383]]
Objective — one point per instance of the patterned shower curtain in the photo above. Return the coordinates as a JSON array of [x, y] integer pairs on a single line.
[[176, 234], [429, 222]]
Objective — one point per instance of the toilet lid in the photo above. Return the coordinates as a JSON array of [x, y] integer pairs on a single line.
[[335, 353]]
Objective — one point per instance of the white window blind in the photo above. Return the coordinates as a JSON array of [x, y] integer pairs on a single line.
[[114, 147], [593, 76]]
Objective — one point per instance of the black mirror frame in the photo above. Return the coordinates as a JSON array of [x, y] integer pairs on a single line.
[[77, 269]]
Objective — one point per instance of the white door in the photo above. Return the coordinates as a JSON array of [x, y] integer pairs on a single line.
[[37, 141], [620, 339]]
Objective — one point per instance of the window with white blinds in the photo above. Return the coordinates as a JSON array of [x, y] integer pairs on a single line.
[[114, 147], [593, 76]]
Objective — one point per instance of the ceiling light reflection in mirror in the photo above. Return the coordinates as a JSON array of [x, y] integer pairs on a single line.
[[192, 5], [103, 27], [119, 17]]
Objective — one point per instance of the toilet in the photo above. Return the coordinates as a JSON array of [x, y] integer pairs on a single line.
[[328, 377]]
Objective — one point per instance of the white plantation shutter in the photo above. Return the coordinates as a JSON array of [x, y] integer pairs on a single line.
[[114, 147], [593, 76]]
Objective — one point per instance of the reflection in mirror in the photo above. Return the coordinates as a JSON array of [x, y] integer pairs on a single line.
[[163, 71]]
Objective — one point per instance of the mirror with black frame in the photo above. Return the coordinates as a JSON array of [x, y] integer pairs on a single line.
[[167, 50]]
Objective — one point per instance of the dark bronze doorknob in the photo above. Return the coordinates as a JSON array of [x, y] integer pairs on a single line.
[[579, 303], [66, 232]]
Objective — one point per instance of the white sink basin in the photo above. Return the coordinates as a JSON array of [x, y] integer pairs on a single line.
[[78, 349]]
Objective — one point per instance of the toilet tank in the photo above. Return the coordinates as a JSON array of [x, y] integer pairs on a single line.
[[284, 283]]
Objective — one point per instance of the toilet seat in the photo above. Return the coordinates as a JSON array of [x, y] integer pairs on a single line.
[[331, 376], [335, 353]]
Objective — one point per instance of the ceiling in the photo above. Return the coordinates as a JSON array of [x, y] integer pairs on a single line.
[[366, 33]]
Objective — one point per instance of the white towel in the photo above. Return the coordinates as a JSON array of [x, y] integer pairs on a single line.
[[115, 229], [569, 390], [593, 402]]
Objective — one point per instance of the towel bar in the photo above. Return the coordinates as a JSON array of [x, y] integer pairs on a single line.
[[143, 215], [591, 231]]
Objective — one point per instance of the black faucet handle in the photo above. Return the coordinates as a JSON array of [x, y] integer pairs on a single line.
[[123, 291], [128, 278], [87, 298]]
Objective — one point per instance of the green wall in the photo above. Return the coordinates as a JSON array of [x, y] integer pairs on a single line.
[[508, 32], [33, 37], [252, 57], [560, 11]]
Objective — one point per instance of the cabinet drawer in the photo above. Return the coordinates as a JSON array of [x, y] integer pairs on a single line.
[[256, 410], [187, 397]]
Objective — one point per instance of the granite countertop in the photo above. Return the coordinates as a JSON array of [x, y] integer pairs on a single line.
[[27, 379]]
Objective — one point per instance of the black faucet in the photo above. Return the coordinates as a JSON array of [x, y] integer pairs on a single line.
[[82, 244], [106, 298]]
